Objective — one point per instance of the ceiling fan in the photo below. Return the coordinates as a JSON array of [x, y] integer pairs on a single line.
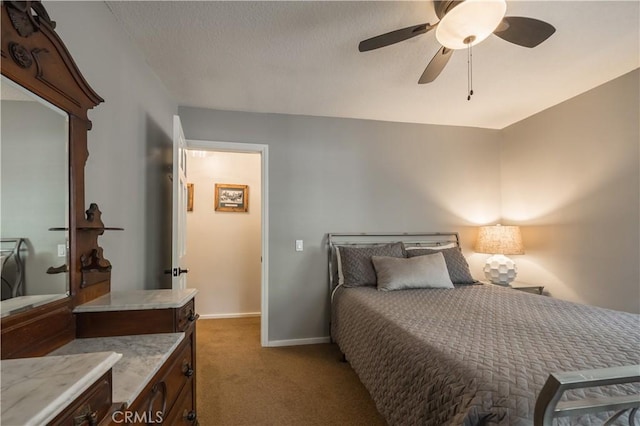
[[463, 24]]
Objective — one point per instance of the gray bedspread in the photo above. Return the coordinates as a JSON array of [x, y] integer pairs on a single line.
[[476, 354]]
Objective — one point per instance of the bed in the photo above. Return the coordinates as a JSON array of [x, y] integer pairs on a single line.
[[479, 353]]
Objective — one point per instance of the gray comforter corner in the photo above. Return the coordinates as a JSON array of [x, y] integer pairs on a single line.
[[475, 354]]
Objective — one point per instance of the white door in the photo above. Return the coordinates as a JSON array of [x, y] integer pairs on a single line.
[[179, 234]]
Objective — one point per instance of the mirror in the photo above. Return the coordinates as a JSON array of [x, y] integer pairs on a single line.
[[34, 199]]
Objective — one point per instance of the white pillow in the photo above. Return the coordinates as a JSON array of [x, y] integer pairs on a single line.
[[428, 271]]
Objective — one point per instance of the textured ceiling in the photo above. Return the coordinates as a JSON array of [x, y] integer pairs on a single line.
[[302, 58]]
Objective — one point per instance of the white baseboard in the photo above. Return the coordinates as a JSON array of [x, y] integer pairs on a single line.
[[272, 343], [298, 342], [222, 316]]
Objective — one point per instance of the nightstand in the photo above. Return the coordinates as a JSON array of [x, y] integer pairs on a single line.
[[529, 288]]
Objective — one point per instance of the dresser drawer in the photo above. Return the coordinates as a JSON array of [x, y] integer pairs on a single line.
[[90, 407], [186, 315], [144, 321], [160, 395], [180, 371], [183, 411]]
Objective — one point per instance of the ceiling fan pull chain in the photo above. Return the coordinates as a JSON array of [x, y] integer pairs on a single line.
[[469, 72]]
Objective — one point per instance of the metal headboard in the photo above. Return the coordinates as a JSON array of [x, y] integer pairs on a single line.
[[363, 239]]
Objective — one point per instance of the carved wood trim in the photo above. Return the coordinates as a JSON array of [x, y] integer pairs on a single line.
[[28, 25], [26, 16], [94, 267]]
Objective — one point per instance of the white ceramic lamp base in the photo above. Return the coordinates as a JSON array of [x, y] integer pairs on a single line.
[[500, 270]]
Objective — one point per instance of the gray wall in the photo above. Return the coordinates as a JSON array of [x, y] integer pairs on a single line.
[[127, 172], [571, 175], [344, 175]]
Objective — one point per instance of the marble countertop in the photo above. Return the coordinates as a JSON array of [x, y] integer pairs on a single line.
[[138, 299], [142, 357], [35, 390], [21, 303]]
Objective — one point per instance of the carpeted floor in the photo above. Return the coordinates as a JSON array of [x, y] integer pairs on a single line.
[[240, 383]]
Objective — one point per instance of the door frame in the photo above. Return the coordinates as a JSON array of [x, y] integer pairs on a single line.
[[263, 150], [179, 206]]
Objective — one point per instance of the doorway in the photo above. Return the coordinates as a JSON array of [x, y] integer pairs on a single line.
[[227, 245]]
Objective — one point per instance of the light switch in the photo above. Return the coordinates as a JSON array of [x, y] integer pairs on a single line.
[[299, 245], [62, 250]]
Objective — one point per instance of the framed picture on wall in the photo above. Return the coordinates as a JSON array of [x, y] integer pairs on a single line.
[[231, 198], [189, 197]]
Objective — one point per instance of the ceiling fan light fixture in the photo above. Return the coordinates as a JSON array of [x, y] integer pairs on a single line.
[[470, 22]]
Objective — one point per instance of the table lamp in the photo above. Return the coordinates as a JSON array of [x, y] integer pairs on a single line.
[[499, 240]]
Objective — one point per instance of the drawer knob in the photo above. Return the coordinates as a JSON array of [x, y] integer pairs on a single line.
[[90, 417], [192, 316], [190, 416], [187, 369]]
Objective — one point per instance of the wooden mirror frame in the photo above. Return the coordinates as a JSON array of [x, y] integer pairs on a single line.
[[34, 57]]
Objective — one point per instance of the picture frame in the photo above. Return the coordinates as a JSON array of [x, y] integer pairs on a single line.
[[231, 198], [189, 197]]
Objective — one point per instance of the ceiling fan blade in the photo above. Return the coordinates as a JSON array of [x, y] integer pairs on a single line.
[[436, 65], [527, 32], [393, 37]]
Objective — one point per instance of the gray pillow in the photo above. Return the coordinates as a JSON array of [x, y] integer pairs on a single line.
[[428, 271], [456, 263], [354, 263]]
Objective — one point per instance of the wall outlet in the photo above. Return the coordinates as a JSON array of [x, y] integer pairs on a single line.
[[299, 245], [62, 250]]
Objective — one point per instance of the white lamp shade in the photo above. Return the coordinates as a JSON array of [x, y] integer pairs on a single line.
[[499, 239], [477, 18]]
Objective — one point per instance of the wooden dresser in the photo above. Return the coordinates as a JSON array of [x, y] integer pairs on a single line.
[[141, 373], [158, 321]]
